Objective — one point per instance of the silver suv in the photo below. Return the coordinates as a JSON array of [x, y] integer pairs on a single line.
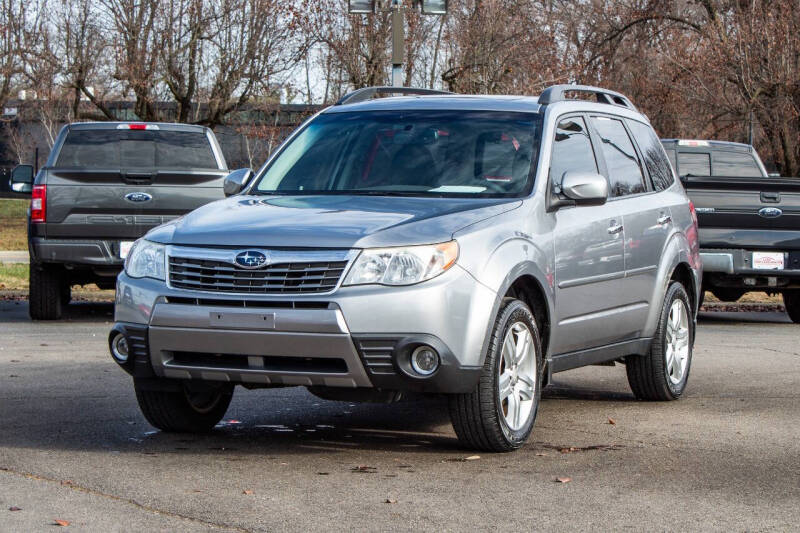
[[465, 245]]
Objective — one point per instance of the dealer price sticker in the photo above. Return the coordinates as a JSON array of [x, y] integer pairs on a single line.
[[768, 260]]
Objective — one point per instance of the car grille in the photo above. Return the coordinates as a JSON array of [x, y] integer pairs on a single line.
[[219, 276]]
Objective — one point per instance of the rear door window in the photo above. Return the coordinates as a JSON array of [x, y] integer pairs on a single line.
[[137, 149], [572, 151], [696, 164], [624, 171], [735, 164], [653, 153]]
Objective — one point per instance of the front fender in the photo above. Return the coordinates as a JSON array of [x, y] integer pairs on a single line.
[[499, 254]]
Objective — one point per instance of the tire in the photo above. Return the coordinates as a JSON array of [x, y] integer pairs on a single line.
[[657, 376], [184, 411], [46, 292], [480, 417], [791, 300]]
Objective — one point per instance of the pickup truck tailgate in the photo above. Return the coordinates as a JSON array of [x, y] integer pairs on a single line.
[[113, 204], [754, 207]]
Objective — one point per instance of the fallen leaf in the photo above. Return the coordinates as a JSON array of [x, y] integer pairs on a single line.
[[14, 508], [563, 479], [248, 491], [612, 421], [541, 454], [364, 469], [323, 473], [390, 500], [473, 458], [62, 523], [67, 482]]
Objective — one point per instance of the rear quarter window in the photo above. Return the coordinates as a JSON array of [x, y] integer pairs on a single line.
[[658, 167], [137, 149]]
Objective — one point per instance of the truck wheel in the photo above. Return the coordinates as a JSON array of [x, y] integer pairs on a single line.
[[46, 292], [791, 300], [499, 414], [184, 411], [662, 374]]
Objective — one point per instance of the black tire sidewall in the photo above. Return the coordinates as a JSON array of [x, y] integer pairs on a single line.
[[514, 311]]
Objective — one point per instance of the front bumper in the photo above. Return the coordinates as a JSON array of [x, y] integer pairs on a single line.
[[355, 337]]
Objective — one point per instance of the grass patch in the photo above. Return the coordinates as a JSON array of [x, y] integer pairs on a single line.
[[13, 220], [13, 276]]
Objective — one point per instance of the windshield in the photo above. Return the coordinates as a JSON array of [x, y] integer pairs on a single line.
[[418, 153]]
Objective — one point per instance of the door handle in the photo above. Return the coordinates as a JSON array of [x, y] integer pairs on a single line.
[[664, 219], [615, 228]]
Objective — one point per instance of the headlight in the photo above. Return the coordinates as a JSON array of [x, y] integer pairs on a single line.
[[402, 266], [146, 260]]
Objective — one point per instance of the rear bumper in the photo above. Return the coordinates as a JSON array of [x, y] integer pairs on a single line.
[[91, 252], [733, 268]]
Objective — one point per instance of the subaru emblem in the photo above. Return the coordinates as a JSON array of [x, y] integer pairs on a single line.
[[770, 212], [251, 259], [138, 197]]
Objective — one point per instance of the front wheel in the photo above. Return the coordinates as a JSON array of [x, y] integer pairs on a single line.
[[499, 414], [187, 410], [663, 373], [791, 300]]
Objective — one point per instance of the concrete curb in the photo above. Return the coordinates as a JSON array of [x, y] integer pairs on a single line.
[[18, 257]]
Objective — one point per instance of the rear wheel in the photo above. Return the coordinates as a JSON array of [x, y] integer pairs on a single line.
[[187, 410], [499, 414], [791, 300], [46, 294], [662, 374]]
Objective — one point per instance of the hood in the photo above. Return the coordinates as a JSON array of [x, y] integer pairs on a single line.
[[331, 221]]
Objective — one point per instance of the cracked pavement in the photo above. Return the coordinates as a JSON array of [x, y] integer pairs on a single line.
[[74, 447]]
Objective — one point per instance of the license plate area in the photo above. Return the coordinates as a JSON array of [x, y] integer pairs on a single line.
[[234, 320], [768, 260]]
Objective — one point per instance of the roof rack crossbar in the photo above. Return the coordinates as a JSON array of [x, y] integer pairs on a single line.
[[367, 93], [556, 93]]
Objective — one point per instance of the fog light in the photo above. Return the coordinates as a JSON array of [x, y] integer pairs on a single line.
[[424, 360], [119, 348]]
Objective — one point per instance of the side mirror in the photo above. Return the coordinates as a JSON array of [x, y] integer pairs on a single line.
[[236, 181], [585, 188], [22, 179]]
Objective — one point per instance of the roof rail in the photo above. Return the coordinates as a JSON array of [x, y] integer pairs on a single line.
[[367, 93], [555, 93]]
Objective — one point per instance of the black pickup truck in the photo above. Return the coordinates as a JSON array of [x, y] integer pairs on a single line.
[[104, 185], [749, 221]]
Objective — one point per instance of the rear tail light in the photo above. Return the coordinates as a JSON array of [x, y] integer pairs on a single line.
[[39, 203], [693, 212]]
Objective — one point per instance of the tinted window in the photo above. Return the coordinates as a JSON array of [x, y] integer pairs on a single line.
[[735, 164], [572, 151], [654, 159], [694, 164], [624, 173], [440, 153], [136, 149]]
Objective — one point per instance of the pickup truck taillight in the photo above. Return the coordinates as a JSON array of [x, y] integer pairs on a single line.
[[39, 203]]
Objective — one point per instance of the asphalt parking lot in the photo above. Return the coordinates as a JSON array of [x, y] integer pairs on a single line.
[[73, 447]]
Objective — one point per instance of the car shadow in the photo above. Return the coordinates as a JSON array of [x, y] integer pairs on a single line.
[[16, 310]]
